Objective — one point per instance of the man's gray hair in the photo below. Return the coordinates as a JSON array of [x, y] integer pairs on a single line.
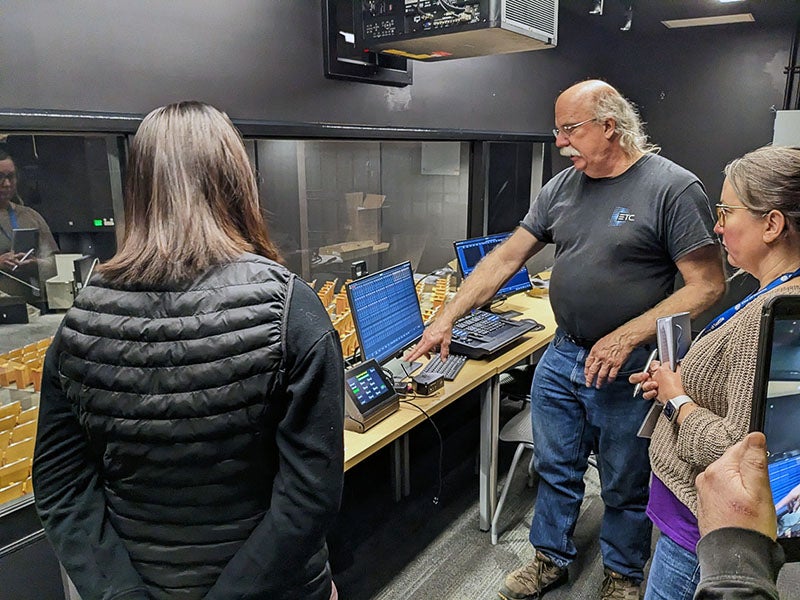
[[610, 104]]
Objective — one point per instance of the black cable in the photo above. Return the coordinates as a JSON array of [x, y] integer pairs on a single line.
[[441, 446], [497, 302], [451, 8]]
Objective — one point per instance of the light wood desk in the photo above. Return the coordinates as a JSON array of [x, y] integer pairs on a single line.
[[483, 374]]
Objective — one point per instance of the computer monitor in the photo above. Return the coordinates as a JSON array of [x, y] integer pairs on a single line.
[[84, 267], [387, 316], [470, 252]]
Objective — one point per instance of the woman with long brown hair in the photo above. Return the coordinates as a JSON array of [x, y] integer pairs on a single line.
[[190, 433]]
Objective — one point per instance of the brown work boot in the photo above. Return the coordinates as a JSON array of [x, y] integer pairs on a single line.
[[619, 587], [532, 580]]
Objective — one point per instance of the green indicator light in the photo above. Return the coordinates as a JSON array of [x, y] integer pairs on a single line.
[[98, 222]]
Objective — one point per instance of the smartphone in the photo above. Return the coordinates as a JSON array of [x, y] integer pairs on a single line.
[[776, 412]]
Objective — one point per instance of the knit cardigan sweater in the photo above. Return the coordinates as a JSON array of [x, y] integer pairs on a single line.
[[718, 373]]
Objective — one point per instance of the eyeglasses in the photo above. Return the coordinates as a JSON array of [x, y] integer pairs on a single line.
[[568, 129], [8, 176], [723, 209]]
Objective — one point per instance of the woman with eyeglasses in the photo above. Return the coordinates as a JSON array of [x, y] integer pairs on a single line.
[[15, 215], [190, 441], [707, 399]]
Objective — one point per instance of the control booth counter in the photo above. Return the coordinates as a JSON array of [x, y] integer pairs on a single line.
[[477, 377]]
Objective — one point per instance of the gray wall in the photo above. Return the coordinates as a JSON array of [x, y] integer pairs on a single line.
[[258, 59], [711, 96]]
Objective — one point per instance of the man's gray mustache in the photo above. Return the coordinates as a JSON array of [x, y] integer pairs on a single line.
[[568, 151]]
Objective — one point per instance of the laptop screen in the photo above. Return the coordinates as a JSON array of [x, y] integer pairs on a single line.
[[470, 252]]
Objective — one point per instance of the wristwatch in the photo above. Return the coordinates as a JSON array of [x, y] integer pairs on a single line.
[[673, 405]]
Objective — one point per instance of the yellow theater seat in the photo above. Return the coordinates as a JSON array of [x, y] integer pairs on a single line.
[[23, 431]]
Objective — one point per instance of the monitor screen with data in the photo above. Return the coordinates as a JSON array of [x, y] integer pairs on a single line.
[[470, 252], [385, 312]]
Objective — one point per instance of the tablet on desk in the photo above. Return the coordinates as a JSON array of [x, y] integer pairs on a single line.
[[369, 396], [23, 240]]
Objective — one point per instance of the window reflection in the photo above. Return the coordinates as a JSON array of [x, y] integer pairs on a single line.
[[60, 204], [330, 203], [65, 192]]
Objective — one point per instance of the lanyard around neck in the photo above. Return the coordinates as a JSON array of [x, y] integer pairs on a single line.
[[721, 319], [12, 216]]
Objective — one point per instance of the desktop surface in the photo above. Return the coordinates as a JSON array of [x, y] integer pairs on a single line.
[[475, 372]]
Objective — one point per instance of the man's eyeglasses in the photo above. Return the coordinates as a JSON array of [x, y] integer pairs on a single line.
[[8, 177], [724, 209], [568, 129]]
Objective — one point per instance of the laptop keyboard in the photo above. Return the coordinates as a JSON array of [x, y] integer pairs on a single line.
[[449, 368]]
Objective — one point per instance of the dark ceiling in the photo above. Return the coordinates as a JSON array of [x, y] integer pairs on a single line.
[[648, 14]]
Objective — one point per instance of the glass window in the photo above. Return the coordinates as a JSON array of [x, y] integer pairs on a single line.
[[60, 207], [331, 203]]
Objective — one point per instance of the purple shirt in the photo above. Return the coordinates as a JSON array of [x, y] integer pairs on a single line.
[[672, 517]]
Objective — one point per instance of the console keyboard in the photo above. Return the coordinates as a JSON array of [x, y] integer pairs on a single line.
[[449, 368], [482, 333], [477, 323]]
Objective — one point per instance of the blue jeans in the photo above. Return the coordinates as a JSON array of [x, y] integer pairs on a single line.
[[674, 572], [570, 421]]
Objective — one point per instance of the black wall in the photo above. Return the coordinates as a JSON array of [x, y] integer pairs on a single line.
[[706, 93], [259, 59]]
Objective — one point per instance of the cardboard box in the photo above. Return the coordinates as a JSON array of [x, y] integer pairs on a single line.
[[364, 216], [348, 250], [369, 218]]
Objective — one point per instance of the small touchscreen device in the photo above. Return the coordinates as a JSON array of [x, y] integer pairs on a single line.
[[369, 396], [776, 412]]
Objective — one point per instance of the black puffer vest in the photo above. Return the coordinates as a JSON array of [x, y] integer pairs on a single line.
[[180, 393]]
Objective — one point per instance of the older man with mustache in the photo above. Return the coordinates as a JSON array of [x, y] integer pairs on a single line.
[[625, 222]]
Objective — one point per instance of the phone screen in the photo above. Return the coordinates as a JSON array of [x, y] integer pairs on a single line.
[[778, 405]]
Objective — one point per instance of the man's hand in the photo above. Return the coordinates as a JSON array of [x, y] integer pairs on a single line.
[[606, 359], [437, 333], [734, 490]]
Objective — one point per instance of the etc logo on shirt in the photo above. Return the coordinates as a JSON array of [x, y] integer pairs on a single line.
[[621, 215]]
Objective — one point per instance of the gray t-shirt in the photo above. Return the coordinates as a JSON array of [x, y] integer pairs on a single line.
[[617, 240]]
